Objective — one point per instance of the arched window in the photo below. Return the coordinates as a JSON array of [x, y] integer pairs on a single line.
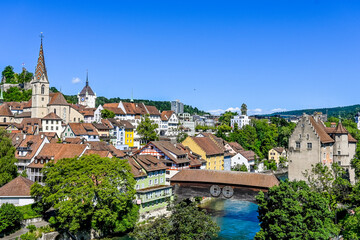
[[43, 89], [55, 111]]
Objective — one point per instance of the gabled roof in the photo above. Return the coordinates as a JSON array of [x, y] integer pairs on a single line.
[[165, 115], [5, 111], [104, 146], [167, 148], [208, 146], [136, 169], [152, 110], [57, 99], [98, 152], [57, 151], [149, 163], [249, 155], [226, 177], [83, 129], [279, 149], [51, 116], [19, 186], [116, 110], [236, 146], [23, 115], [101, 126], [320, 130], [32, 143]]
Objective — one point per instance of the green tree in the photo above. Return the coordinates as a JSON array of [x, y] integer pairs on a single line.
[[8, 170], [24, 76], [14, 94], [186, 221], [293, 211], [10, 218], [351, 225], [89, 193], [181, 137], [54, 89], [105, 113], [225, 118], [147, 129], [9, 74], [243, 109], [240, 168]]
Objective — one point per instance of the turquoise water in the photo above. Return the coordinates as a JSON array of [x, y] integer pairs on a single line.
[[237, 219]]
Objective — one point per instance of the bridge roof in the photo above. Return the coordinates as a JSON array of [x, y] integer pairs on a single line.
[[226, 177]]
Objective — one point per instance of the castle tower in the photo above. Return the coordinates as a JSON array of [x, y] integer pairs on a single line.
[[87, 97], [40, 88]]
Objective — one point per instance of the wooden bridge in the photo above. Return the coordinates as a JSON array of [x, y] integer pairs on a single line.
[[221, 184]]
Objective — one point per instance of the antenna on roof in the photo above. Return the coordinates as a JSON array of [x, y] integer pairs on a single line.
[[132, 99]]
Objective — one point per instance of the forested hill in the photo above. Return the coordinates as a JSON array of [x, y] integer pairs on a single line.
[[344, 112], [160, 105]]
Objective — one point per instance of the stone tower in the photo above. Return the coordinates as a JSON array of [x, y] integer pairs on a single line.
[[87, 97], [40, 88]]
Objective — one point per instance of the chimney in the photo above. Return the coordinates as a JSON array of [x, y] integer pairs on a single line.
[[24, 136], [42, 136]]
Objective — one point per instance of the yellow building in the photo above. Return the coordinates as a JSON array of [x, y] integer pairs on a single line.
[[129, 137], [276, 153], [208, 150]]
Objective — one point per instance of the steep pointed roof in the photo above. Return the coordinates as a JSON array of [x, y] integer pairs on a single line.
[[340, 129], [87, 88], [40, 67]]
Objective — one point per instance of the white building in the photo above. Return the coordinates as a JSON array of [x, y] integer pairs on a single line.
[[17, 192], [169, 124], [357, 120], [52, 123], [87, 97], [240, 120]]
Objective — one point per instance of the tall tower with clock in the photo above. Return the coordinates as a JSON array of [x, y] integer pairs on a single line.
[[87, 97]]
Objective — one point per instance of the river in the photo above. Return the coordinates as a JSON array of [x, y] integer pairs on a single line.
[[237, 219]]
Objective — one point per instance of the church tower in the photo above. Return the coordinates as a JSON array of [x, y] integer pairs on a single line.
[[40, 88], [87, 97]]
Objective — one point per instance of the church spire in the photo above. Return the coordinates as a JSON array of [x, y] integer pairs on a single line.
[[87, 78], [40, 67]]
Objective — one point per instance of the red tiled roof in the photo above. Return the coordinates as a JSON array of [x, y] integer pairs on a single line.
[[149, 163], [98, 152], [136, 169], [52, 116], [5, 110], [152, 110], [208, 146], [165, 115], [320, 130], [103, 146], [236, 146], [226, 177], [57, 151], [249, 155], [116, 110], [32, 142], [57, 99], [19, 186], [279, 149], [83, 129], [340, 129]]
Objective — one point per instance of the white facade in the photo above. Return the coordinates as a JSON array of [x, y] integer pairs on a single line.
[[53, 125], [17, 200], [241, 121]]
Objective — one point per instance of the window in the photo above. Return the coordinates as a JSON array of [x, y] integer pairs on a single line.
[[156, 181], [47, 128], [52, 128], [297, 145], [55, 111], [167, 172], [309, 145], [4, 119], [307, 136], [161, 180], [339, 153], [150, 182], [57, 128], [43, 89]]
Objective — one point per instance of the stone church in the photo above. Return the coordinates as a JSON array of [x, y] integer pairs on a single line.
[[44, 102]]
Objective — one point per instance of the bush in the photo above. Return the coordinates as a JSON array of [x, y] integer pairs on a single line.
[[28, 211], [10, 218]]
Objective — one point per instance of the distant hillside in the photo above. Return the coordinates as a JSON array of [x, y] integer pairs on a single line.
[[160, 105], [344, 112]]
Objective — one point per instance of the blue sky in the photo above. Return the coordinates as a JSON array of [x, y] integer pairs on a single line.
[[211, 54]]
